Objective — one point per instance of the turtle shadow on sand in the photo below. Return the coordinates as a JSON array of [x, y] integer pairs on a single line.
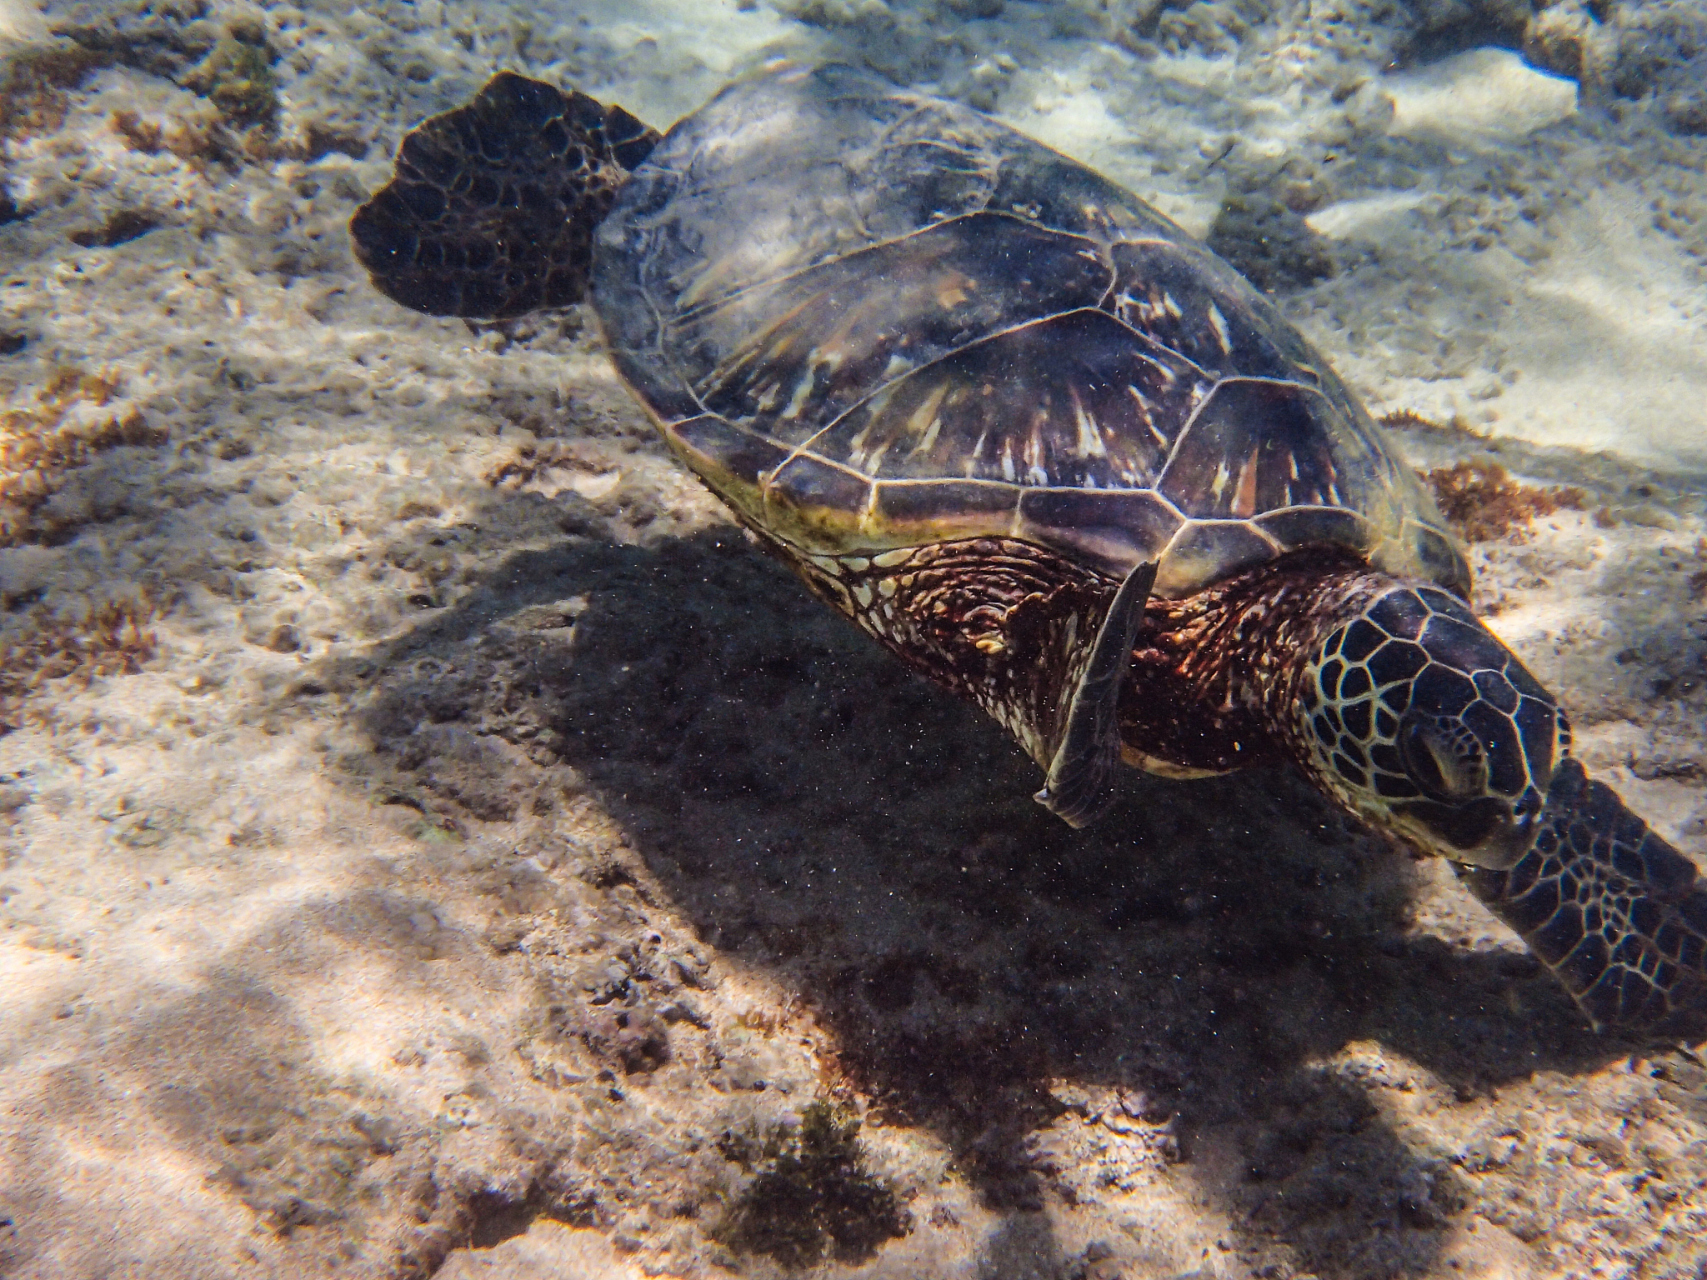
[[817, 811]]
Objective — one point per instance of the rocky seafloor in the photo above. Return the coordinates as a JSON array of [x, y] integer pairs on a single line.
[[434, 841]]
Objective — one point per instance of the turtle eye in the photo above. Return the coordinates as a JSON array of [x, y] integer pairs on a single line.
[[1443, 758]]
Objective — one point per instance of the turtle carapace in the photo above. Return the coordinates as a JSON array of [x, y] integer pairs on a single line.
[[1056, 455]]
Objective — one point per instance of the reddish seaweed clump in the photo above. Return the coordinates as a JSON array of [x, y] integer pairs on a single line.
[[110, 639], [1483, 501], [70, 420]]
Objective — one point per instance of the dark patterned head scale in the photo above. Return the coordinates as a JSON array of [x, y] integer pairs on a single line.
[[1422, 721]]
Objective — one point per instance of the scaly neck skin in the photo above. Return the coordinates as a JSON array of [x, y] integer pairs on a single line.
[[1389, 694], [1213, 677], [1217, 676]]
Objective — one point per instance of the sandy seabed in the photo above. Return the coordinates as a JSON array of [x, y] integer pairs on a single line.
[[432, 840]]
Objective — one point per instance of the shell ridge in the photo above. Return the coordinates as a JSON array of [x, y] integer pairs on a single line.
[[1197, 412], [706, 307], [1184, 431], [1151, 343]]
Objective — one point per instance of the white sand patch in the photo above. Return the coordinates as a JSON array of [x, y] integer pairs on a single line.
[[1062, 108], [1484, 95], [689, 48], [21, 22], [1215, 73], [545, 1251], [1058, 109], [1590, 338], [1365, 219], [1609, 340]]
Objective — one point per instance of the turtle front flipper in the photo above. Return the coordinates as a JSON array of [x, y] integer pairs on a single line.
[[492, 208], [1080, 786], [1617, 914]]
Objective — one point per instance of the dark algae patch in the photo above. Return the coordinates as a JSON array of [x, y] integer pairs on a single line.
[[1269, 242], [237, 77], [813, 1196], [122, 227], [34, 89]]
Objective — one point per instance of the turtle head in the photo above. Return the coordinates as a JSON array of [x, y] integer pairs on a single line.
[[1417, 719], [1420, 721]]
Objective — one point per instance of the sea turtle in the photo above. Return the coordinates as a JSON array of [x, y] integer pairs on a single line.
[[1056, 455]]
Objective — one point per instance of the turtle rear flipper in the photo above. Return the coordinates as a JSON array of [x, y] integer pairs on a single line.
[[1617, 914], [492, 208]]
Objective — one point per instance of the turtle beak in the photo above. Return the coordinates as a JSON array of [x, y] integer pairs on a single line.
[[1479, 833]]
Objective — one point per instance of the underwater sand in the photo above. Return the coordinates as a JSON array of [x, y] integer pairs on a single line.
[[433, 841]]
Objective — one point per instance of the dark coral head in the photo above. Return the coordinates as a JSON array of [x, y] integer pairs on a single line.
[[1421, 721]]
